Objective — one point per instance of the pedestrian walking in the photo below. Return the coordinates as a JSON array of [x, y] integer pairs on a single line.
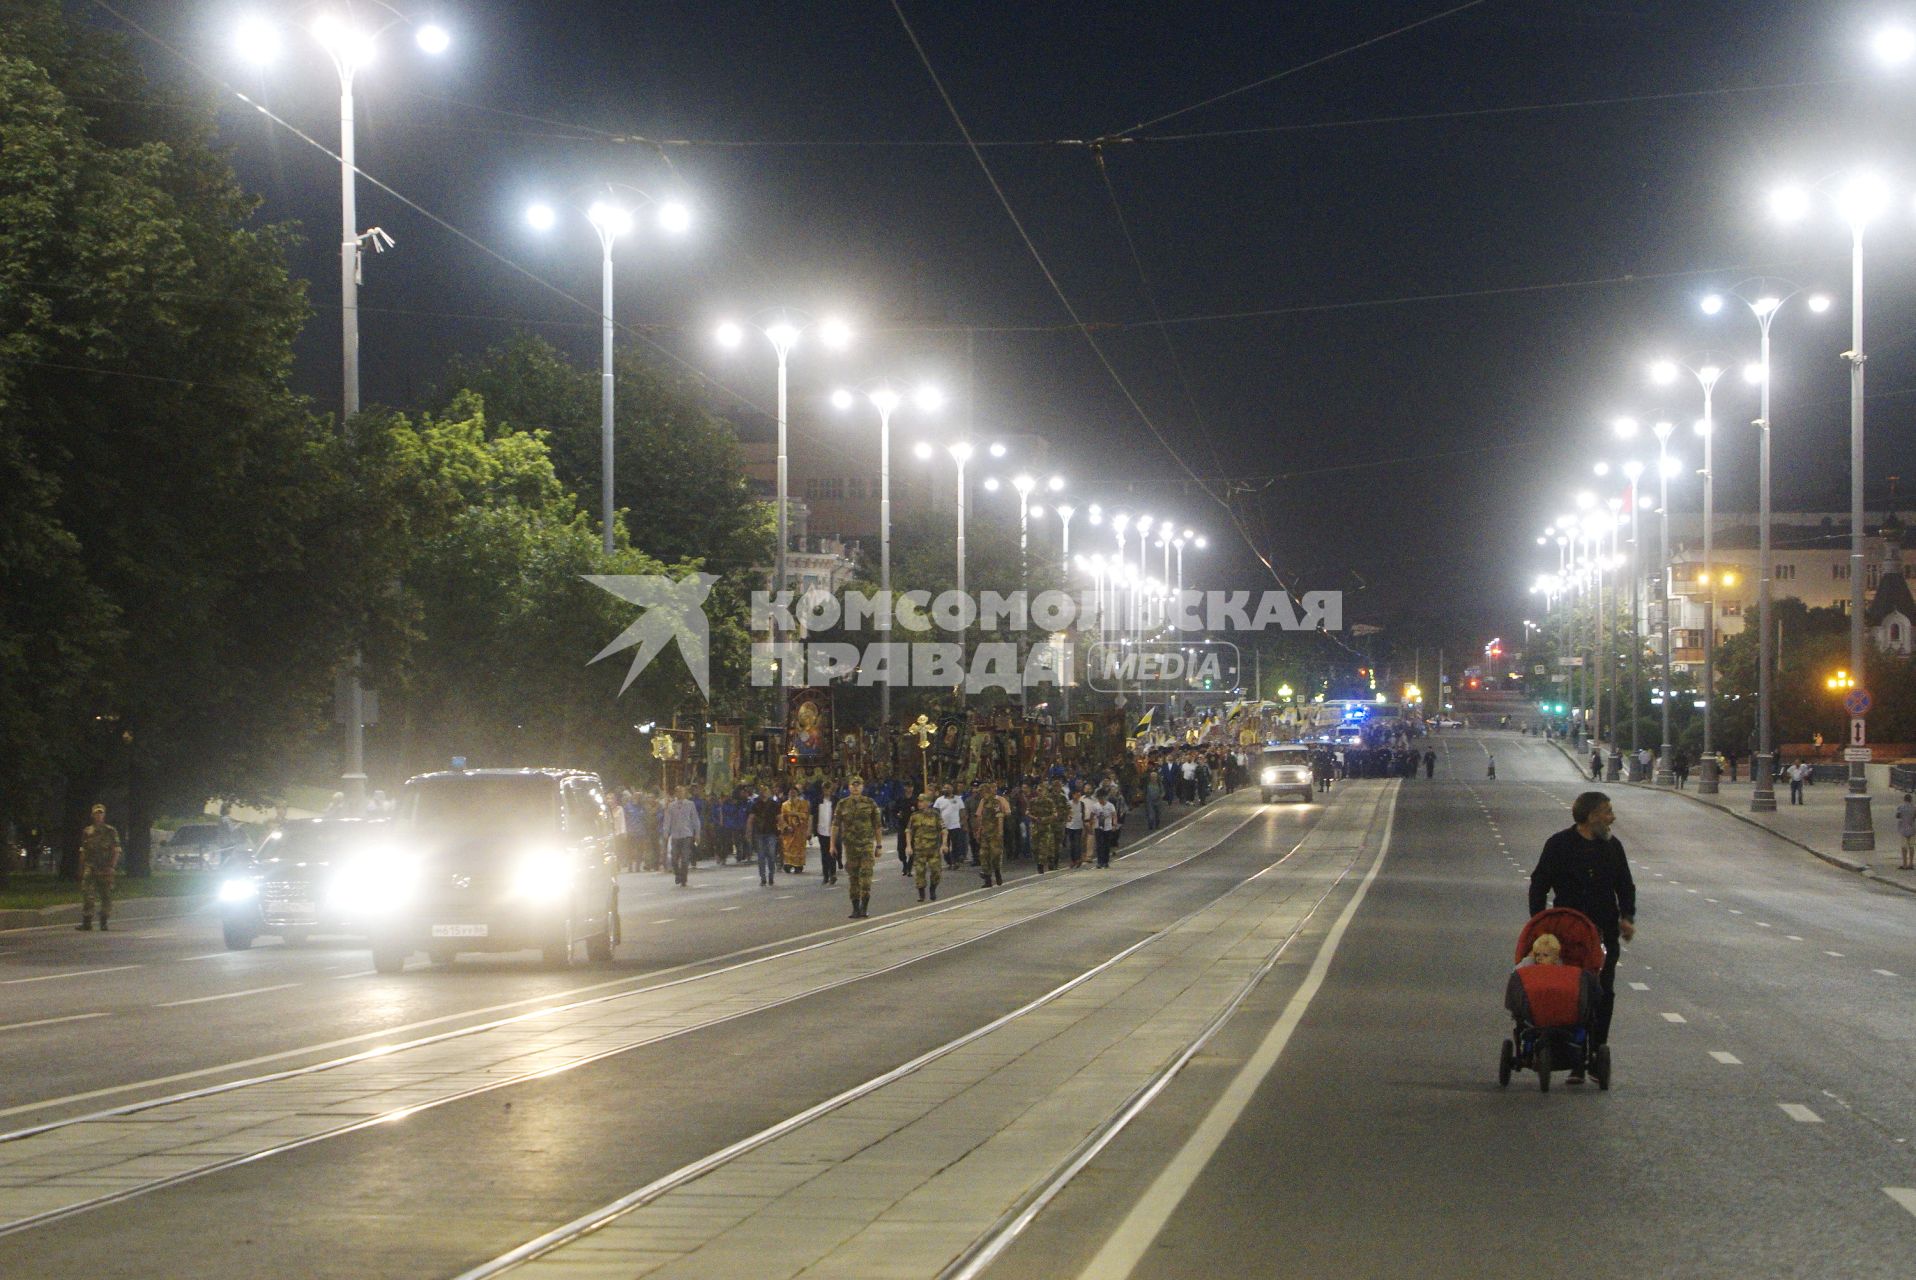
[[1490, 766], [1153, 800], [1430, 764], [1798, 774], [1680, 766], [1074, 827], [1584, 867], [990, 821], [1906, 828], [680, 827], [1596, 765], [951, 810], [856, 835], [1046, 811], [1105, 826], [761, 822], [794, 830], [827, 856], [925, 838], [99, 865]]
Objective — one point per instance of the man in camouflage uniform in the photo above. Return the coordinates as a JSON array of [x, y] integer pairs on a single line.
[[925, 838], [99, 863], [991, 834], [855, 834], [1047, 826]]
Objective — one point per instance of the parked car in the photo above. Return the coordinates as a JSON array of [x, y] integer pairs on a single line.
[[491, 860], [290, 885], [205, 844]]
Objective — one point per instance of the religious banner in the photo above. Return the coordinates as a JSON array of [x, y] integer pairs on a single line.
[[950, 744], [808, 727], [721, 758]]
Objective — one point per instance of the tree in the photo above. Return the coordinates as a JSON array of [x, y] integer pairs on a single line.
[[164, 625]]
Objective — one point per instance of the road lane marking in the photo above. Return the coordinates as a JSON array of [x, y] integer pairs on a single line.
[[667, 920], [356, 973], [1800, 1113], [1727, 1059], [1127, 1246], [1763, 924], [1710, 900], [1905, 1196], [1674, 1017], [225, 995], [1885, 972], [1639, 986], [722, 910], [1793, 937], [1837, 954], [1689, 891], [780, 897], [81, 973], [211, 955], [47, 1022], [1735, 912]]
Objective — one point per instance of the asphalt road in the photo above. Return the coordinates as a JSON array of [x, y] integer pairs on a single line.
[[1345, 1121], [1760, 1121]]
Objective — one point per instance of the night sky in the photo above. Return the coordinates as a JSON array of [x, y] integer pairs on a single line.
[[1408, 442]]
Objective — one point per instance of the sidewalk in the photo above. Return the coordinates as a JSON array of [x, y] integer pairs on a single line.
[[1815, 826], [125, 910]]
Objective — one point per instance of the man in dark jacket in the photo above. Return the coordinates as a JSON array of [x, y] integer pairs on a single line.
[[1583, 867]]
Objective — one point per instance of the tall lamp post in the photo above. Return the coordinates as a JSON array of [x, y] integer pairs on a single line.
[[784, 330], [1764, 306], [886, 398], [1862, 199], [350, 47], [611, 219], [1666, 372]]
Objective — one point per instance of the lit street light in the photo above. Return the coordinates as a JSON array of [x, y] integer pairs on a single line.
[[1767, 301], [351, 48], [1863, 198], [886, 398]]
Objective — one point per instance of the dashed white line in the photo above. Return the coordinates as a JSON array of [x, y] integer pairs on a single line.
[[1837, 954], [780, 897], [667, 920], [1674, 1017], [78, 973], [47, 1022], [1905, 1196], [1800, 1113], [211, 955], [1735, 912], [1711, 900], [225, 995], [1763, 924], [725, 909], [1885, 972], [1793, 937], [1639, 986], [356, 973], [1690, 891], [1727, 1059]]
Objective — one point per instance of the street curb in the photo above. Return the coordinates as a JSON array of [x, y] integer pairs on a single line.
[[1841, 863], [18, 918]]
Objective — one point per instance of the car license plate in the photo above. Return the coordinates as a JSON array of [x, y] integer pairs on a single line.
[[459, 931]]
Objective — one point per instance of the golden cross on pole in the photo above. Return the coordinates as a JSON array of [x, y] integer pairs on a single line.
[[922, 729]]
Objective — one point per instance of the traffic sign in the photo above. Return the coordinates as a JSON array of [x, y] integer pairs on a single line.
[[1857, 702], [1857, 734], [1857, 755]]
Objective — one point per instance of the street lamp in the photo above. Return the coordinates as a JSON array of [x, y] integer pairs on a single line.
[[784, 330], [886, 398], [1863, 197], [611, 219], [350, 47], [1764, 298], [1666, 467], [1706, 375]]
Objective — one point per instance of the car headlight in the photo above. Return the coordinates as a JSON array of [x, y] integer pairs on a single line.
[[1269, 776], [238, 889], [369, 885], [544, 876]]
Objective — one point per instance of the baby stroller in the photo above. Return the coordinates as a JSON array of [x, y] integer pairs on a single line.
[[1555, 1005]]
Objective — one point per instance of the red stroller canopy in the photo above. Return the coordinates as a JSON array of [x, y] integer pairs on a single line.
[[1582, 943]]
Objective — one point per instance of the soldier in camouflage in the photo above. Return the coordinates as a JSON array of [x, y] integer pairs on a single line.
[[855, 834], [99, 863], [992, 809], [1047, 826], [925, 838]]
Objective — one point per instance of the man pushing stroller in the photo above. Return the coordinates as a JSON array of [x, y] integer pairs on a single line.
[[1583, 867]]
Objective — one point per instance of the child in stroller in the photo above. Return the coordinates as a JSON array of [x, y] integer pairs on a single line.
[[1552, 995]]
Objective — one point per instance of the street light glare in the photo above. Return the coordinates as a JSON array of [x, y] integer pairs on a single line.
[[1065, 510], [841, 399], [729, 335], [997, 449], [1602, 468], [1633, 468], [782, 334], [1663, 371], [1055, 484], [675, 217], [1701, 426], [1625, 427], [1709, 372], [991, 485], [1586, 500], [1672, 467], [1790, 203], [1753, 373], [929, 399], [921, 451], [541, 217], [1863, 198], [433, 38], [1893, 45], [353, 47], [1023, 483], [1819, 303], [1201, 544], [835, 334], [1712, 304], [257, 40], [1663, 429], [1766, 305], [961, 451], [609, 218], [885, 399]]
